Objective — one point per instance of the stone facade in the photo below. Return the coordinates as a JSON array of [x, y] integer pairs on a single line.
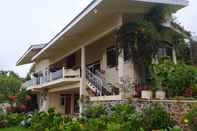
[[176, 108]]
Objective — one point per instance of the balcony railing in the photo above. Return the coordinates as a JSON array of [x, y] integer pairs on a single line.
[[57, 75], [52, 76]]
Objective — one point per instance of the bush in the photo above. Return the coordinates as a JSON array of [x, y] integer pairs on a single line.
[[192, 118], [155, 117], [95, 111], [50, 120], [121, 117], [178, 79], [14, 119], [127, 117], [3, 120]]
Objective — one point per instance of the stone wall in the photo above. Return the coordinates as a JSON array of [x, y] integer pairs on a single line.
[[176, 108]]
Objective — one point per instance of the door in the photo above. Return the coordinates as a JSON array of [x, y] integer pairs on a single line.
[[68, 98]]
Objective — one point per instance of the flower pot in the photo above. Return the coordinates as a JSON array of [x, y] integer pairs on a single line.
[[146, 94], [161, 95]]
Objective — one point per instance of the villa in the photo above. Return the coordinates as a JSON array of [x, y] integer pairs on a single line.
[[81, 61]]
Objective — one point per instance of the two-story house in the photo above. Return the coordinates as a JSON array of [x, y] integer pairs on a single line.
[[82, 59]]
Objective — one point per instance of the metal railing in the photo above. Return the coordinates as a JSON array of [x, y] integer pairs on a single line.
[[52, 76], [57, 74], [44, 79], [95, 81]]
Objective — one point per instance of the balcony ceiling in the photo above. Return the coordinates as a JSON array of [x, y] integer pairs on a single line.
[[96, 15]]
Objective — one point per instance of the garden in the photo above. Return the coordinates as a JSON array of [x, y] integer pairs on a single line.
[[121, 117], [172, 77]]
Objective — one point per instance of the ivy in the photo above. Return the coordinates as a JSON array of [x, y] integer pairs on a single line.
[[143, 37]]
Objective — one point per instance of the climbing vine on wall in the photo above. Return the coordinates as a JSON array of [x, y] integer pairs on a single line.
[[142, 38]]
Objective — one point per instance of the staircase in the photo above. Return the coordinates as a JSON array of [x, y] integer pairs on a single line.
[[98, 85]]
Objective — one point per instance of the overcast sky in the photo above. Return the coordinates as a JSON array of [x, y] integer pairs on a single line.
[[26, 22]]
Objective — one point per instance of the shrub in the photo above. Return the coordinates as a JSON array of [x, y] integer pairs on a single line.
[[47, 121], [192, 117], [3, 120], [175, 128], [155, 117], [177, 78], [95, 111], [14, 119], [127, 117]]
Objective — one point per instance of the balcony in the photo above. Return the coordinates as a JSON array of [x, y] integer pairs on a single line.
[[56, 78]]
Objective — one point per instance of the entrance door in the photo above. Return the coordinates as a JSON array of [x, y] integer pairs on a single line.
[[68, 98]]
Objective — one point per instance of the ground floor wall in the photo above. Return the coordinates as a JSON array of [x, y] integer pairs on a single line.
[[61, 102], [177, 108]]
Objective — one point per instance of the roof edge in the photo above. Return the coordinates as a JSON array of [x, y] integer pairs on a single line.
[[35, 46], [76, 19]]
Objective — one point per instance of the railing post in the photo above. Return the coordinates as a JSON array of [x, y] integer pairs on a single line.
[[63, 71]]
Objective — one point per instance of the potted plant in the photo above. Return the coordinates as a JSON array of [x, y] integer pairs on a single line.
[[158, 81], [146, 93], [159, 89], [160, 93]]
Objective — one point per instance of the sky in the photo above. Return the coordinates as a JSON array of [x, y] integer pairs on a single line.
[[26, 22]]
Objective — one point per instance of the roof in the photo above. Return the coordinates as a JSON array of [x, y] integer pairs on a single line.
[[89, 18], [31, 51]]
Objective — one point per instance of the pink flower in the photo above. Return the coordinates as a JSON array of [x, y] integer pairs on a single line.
[[188, 92], [23, 107], [13, 98]]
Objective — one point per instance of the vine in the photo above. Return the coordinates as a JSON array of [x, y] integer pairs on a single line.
[[143, 38]]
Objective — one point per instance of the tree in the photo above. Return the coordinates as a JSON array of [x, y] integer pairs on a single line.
[[10, 83]]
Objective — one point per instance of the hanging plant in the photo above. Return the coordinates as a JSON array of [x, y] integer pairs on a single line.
[[140, 38]]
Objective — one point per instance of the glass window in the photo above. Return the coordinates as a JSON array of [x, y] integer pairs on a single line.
[[112, 57]]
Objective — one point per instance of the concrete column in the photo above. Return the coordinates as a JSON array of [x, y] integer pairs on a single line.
[[121, 71], [174, 55], [83, 78]]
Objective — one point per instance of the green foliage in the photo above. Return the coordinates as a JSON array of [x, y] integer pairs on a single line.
[[192, 117], [14, 119], [48, 121], [175, 128], [72, 126], [155, 117], [95, 111], [176, 78], [3, 120], [10, 84], [121, 117], [10, 119], [15, 129], [142, 38]]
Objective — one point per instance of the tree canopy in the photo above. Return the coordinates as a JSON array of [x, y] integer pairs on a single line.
[[10, 83]]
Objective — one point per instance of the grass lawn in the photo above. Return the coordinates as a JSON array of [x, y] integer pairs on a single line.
[[14, 129]]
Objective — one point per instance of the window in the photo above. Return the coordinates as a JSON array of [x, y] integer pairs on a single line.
[[165, 51], [71, 61], [112, 57], [76, 103], [62, 100]]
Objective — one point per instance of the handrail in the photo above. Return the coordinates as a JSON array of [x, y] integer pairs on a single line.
[[96, 81]]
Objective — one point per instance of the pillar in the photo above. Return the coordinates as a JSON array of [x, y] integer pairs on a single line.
[[83, 78]]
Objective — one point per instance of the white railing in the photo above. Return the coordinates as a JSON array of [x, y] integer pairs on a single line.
[[52, 76], [57, 74], [70, 73]]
